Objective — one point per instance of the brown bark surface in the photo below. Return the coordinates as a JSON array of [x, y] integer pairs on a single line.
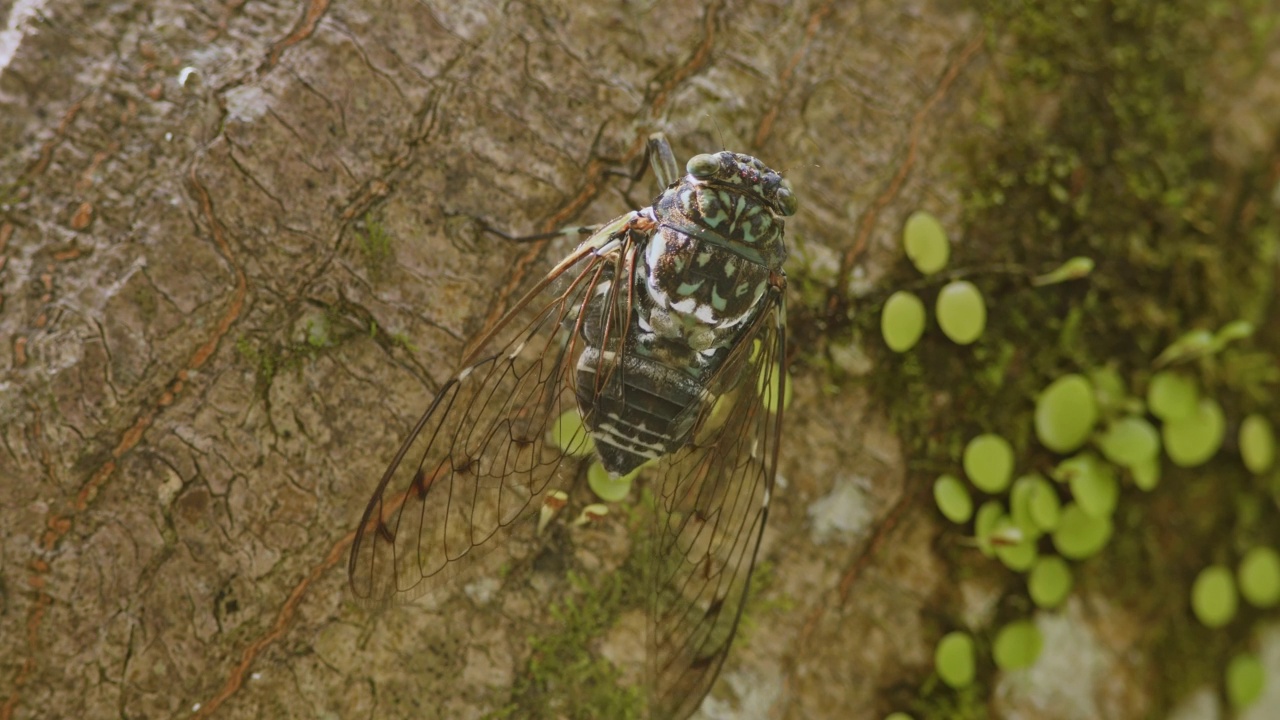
[[240, 247]]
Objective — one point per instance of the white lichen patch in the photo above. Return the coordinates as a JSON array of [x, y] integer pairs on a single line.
[[844, 513]]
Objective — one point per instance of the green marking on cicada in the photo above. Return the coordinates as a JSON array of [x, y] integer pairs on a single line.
[[689, 288]]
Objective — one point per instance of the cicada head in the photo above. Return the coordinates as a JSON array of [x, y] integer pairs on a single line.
[[747, 173]]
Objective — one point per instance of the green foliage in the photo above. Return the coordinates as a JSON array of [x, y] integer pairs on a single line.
[[1259, 576], [1049, 582], [1213, 596], [925, 242], [1065, 413], [563, 677], [988, 462], [962, 312], [1257, 444], [939, 702], [953, 499], [955, 659], [1193, 440], [608, 488], [265, 362], [1080, 535], [1097, 141], [1246, 679], [1017, 645], [374, 243], [316, 330], [902, 321], [762, 600]]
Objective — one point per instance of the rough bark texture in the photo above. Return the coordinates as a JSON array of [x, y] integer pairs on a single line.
[[240, 247]]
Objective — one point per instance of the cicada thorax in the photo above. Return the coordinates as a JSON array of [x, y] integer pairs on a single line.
[[697, 280]]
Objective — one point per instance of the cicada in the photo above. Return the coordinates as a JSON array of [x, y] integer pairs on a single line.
[[666, 330]]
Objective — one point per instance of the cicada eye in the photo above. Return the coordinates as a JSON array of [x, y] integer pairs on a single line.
[[785, 199], [703, 166]]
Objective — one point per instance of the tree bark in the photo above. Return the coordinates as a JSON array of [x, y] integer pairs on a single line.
[[241, 245]]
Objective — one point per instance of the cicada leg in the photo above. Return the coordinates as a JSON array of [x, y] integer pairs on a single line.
[[577, 230], [660, 159]]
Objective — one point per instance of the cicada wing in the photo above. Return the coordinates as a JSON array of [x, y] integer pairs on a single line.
[[480, 457], [712, 503]]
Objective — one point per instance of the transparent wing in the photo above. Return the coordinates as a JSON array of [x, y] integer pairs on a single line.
[[479, 456], [712, 503]]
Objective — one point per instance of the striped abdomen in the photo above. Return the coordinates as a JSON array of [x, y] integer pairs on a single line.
[[636, 411]]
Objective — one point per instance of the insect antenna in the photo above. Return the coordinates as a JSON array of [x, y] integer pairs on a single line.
[[719, 131]]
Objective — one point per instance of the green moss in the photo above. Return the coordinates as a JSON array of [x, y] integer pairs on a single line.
[[564, 678], [402, 341], [264, 358], [761, 603], [940, 702], [374, 244], [1094, 138], [320, 330]]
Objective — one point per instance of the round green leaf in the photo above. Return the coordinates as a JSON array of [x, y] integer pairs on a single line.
[[1015, 549], [988, 461], [1096, 494], [609, 489], [1130, 441], [1065, 413], [1257, 444], [962, 313], [569, 434], [1080, 535], [1146, 475], [1246, 677], [984, 524], [1050, 581], [1021, 497], [954, 659], [953, 499], [1093, 483], [1172, 395], [1213, 596], [1108, 388], [926, 242], [1017, 645], [1259, 575], [902, 321], [1044, 505], [1192, 440]]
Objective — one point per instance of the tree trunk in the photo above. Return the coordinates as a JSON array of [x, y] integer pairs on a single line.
[[242, 245]]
